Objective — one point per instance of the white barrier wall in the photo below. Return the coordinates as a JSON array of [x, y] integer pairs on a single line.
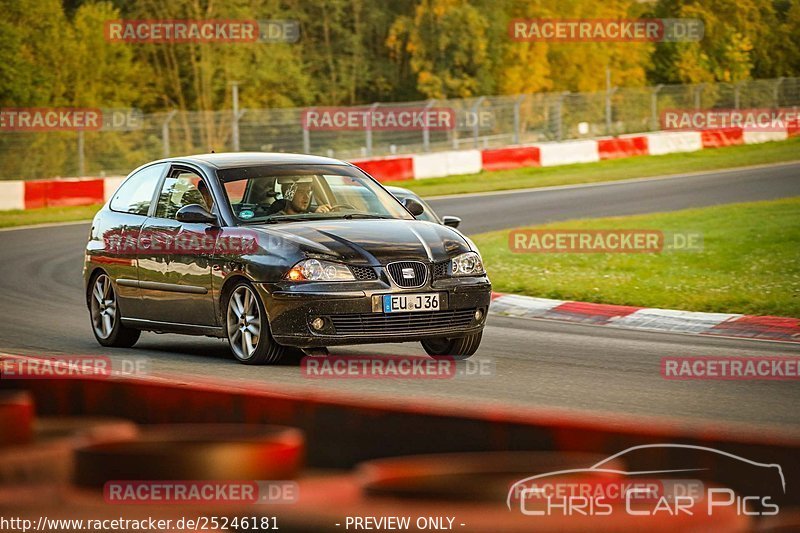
[[464, 162], [566, 153], [756, 137], [12, 195], [670, 142], [110, 186], [439, 164], [430, 165]]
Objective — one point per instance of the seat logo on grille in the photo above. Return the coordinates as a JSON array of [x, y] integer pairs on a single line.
[[408, 273]]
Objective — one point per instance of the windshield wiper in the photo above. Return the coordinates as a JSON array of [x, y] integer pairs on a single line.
[[280, 218], [350, 216]]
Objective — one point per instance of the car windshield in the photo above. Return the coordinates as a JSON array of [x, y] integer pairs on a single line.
[[306, 192]]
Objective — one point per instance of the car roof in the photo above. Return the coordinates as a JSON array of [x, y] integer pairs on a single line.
[[248, 159], [400, 190]]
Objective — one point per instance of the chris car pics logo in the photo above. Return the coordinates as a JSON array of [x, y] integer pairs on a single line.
[[608, 488]]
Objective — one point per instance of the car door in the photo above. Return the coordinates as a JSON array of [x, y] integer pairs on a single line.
[[175, 258], [119, 231]]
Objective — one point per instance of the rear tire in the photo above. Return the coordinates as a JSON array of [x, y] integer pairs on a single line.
[[460, 348], [247, 328], [105, 316]]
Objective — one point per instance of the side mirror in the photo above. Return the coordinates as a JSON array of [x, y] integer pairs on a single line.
[[449, 220], [195, 213], [413, 206]]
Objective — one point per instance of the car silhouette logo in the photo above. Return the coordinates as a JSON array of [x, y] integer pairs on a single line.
[[408, 273]]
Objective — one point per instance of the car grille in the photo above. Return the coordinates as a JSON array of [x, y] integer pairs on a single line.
[[440, 269], [363, 273], [402, 323], [419, 270]]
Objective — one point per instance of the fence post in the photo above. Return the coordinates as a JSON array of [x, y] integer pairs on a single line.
[[736, 100], [477, 126], [165, 132], [608, 101], [517, 121], [368, 130], [654, 107], [698, 91], [559, 117], [776, 97], [426, 132], [81, 158], [235, 118]]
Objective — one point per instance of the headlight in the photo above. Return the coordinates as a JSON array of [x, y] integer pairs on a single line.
[[467, 264], [318, 270]]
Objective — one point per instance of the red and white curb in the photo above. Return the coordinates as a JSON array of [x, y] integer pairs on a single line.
[[667, 320]]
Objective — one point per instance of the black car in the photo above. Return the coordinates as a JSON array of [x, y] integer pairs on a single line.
[[428, 213], [275, 251]]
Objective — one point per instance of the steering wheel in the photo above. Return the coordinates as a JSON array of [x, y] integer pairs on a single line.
[[342, 206]]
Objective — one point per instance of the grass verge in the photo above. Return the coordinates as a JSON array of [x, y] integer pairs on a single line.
[[615, 169], [750, 263], [44, 215]]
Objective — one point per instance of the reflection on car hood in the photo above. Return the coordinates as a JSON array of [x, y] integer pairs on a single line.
[[370, 241]]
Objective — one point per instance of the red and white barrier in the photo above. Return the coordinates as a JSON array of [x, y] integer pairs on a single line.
[[388, 168], [63, 193], [618, 147], [757, 137], [509, 158], [568, 152], [722, 137], [87, 191], [453, 163], [12, 195], [670, 142]]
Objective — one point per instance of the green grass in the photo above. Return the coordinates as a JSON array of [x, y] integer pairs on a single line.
[[19, 217], [617, 169], [750, 263]]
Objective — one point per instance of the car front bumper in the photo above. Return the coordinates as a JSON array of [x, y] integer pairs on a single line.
[[351, 316]]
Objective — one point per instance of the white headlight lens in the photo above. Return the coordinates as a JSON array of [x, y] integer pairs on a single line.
[[319, 270], [467, 264]]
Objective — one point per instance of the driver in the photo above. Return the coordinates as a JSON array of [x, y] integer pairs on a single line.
[[298, 200]]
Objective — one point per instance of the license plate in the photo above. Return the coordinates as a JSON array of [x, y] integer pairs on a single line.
[[408, 303]]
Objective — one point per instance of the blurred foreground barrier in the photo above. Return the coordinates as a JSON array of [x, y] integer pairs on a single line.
[[16, 417], [194, 451], [343, 430]]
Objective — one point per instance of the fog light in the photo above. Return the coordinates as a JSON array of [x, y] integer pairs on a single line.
[[478, 315], [318, 323]]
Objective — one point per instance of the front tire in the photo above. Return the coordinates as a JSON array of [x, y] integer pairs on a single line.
[[247, 328], [106, 319], [459, 349]]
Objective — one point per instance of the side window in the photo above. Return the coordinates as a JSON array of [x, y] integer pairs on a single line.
[[135, 195], [181, 188]]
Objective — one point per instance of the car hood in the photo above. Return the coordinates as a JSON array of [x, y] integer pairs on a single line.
[[373, 241]]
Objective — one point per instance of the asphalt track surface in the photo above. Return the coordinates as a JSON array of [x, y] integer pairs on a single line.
[[535, 364]]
